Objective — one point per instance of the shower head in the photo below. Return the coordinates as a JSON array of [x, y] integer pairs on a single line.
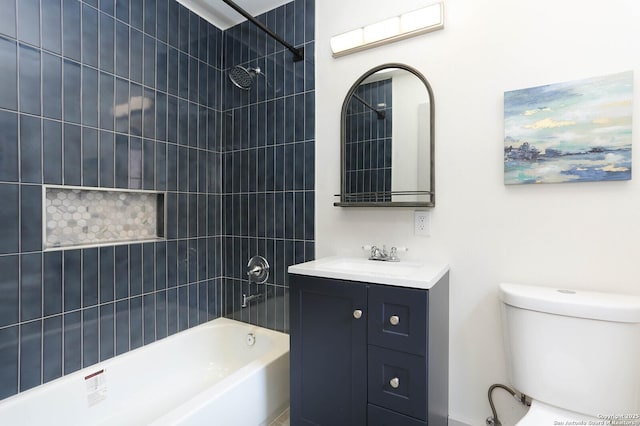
[[243, 77]]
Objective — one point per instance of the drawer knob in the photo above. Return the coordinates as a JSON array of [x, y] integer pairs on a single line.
[[395, 382], [394, 320], [357, 314]]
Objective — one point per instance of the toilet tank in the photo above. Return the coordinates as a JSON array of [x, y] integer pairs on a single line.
[[576, 350]]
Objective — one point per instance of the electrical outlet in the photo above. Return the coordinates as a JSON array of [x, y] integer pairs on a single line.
[[422, 223]]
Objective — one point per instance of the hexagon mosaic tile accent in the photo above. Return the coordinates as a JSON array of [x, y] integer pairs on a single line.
[[88, 217]]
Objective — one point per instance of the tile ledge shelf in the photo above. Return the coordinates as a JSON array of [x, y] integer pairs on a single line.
[[104, 244]]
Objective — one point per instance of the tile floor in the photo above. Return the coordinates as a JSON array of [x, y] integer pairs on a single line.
[[282, 419]]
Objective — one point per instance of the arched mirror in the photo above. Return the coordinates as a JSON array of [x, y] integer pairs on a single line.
[[387, 133]]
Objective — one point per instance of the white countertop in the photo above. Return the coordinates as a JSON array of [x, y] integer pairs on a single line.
[[413, 274]]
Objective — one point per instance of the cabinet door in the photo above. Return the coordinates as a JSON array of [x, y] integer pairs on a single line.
[[328, 352]]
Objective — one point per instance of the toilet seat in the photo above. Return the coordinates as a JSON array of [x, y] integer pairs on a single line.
[[541, 414]]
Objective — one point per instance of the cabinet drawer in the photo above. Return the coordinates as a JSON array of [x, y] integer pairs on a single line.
[[378, 416], [397, 380], [398, 318]]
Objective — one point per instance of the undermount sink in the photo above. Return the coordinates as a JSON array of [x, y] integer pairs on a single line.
[[404, 273]]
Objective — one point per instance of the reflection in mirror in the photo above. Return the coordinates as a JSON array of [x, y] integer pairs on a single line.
[[387, 140]]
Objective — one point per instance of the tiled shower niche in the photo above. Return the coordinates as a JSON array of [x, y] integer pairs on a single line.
[[85, 217]]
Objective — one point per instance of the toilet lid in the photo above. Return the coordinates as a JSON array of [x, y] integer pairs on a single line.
[[541, 414]]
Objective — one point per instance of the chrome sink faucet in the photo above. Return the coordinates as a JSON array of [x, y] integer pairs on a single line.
[[377, 253]]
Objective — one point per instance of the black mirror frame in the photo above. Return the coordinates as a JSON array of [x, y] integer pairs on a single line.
[[431, 192]]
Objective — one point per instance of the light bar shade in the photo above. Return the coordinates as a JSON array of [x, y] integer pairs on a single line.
[[346, 41], [418, 19], [409, 24], [381, 30]]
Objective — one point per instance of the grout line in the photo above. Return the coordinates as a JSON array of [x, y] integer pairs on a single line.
[[62, 313], [98, 306]]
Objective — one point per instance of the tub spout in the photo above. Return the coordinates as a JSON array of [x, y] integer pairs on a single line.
[[248, 299]]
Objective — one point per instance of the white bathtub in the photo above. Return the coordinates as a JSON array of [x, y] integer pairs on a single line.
[[207, 375]]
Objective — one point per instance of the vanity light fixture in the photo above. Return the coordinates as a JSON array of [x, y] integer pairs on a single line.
[[407, 25]]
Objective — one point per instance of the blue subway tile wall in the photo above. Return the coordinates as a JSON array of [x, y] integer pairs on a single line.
[[368, 147], [108, 94], [134, 94], [268, 161]]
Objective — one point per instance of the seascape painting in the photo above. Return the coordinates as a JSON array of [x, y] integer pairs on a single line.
[[578, 131]]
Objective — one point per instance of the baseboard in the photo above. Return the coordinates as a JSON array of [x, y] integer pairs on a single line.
[[453, 422]]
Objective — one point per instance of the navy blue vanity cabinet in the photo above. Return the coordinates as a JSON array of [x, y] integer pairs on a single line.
[[368, 354], [328, 352]]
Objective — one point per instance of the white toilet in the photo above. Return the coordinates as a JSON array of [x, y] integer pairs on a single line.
[[575, 353]]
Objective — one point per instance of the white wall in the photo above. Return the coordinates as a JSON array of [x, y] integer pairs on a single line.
[[581, 235], [410, 121]]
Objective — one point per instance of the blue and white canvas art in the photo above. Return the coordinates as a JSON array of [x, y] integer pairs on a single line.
[[578, 131]]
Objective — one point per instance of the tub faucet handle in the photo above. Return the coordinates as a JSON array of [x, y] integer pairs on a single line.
[[258, 269]]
